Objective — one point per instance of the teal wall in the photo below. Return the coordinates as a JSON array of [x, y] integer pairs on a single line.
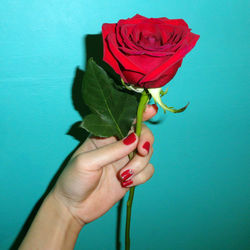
[[198, 198]]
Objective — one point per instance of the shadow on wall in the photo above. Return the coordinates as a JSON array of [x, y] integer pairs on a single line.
[[94, 49]]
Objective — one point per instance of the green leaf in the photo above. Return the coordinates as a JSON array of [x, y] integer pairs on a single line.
[[112, 110]]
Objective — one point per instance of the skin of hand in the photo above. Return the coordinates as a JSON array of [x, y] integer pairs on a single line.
[[93, 181], [97, 176]]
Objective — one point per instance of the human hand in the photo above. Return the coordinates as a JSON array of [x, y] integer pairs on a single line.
[[97, 176], [99, 173]]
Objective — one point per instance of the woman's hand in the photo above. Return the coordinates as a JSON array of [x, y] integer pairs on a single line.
[[99, 173]]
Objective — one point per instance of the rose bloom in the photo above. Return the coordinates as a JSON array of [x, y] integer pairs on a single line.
[[147, 52]]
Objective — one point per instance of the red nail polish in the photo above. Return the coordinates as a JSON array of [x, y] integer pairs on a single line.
[[155, 107], [146, 145], [126, 174], [127, 183], [129, 139]]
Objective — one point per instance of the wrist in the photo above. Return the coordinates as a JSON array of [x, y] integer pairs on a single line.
[[63, 212], [54, 227]]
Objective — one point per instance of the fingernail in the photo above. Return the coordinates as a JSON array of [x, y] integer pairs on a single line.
[[129, 139], [126, 174], [146, 145], [155, 107], [127, 183]]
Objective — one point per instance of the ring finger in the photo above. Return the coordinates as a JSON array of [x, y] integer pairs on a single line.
[[140, 178], [135, 166]]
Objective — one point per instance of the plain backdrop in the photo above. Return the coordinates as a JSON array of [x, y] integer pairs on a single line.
[[198, 198]]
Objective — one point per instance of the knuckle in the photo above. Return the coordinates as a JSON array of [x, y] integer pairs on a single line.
[[147, 175], [145, 128], [151, 171], [152, 150], [137, 165], [152, 136], [147, 133], [142, 179], [151, 166], [78, 161]]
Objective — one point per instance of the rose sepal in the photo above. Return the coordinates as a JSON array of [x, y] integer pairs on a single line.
[[157, 93], [133, 88]]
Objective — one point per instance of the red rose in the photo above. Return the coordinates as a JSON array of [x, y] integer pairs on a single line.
[[147, 52]]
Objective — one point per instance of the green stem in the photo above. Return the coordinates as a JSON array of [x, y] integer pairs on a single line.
[[141, 108]]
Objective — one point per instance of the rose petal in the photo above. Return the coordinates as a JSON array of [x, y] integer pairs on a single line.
[[161, 69], [146, 52], [175, 22], [163, 79], [138, 16], [124, 35], [107, 55], [125, 61], [133, 76]]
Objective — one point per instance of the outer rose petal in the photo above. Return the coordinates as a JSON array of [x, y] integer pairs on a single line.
[[138, 16], [163, 79], [107, 55], [132, 76], [175, 22]]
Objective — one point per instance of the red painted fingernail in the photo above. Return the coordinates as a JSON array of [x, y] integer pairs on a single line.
[[146, 145], [129, 139], [126, 174], [155, 107], [127, 183]]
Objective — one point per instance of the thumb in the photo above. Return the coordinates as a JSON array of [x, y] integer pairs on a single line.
[[100, 157]]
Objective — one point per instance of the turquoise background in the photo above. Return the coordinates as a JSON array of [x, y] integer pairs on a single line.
[[198, 197]]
